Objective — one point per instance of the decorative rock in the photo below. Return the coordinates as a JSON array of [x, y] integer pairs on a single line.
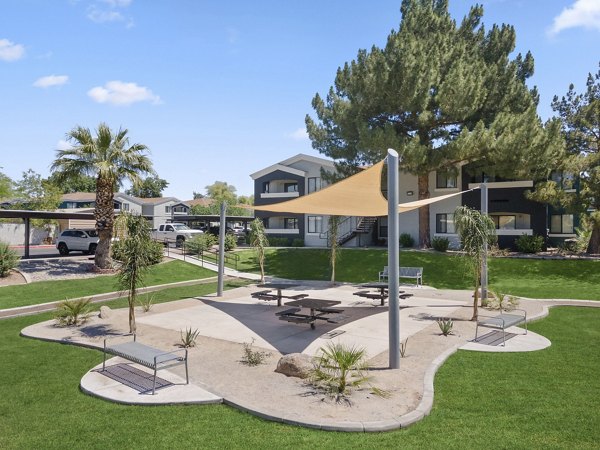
[[105, 312], [295, 365]]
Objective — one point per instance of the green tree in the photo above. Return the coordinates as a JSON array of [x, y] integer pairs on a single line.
[[221, 192], [441, 94], [259, 241], [150, 187], [5, 186], [83, 183], [110, 159], [476, 231], [579, 115], [35, 193], [135, 250]]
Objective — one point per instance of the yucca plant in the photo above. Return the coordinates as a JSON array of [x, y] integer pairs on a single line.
[[72, 312], [339, 369], [188, 337], [146, 302], [445, 326]]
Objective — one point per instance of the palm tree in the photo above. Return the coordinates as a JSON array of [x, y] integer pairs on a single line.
[[259, 241], [111, 160], [476, 231]]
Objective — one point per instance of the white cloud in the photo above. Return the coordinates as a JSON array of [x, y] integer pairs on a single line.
[[299, 135], [100, 16], [51, 80], [9, 51], [122, 94], [583, 13], [118, 3], [63, 145]]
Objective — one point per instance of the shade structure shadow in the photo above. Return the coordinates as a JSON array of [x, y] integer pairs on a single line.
[[130, 376], [283, 336]]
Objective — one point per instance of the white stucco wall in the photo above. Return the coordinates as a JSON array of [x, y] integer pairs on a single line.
[[14, 234]]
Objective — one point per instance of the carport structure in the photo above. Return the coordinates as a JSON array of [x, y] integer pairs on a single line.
[[26, 216]]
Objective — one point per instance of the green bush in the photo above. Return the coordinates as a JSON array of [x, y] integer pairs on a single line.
[[73, 312], [298, 242], [200, 243], [440, 243], [529, 244], [279, 242], [8, 259], [230, 242], [155, 251], [406, 240]]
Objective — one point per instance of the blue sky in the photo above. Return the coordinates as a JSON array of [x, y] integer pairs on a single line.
[[219, 89]]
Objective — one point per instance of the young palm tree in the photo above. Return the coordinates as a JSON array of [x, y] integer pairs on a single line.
[[259, 241], [476, 231], [110, 159]]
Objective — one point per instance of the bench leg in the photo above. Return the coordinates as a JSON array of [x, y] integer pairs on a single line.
[[154, 382], [104, 363], [187, 377], [503, 337], [476, 330]]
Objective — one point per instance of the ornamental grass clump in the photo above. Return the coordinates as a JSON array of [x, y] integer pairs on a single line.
[[340, 369], [253, 357], [72, 312]]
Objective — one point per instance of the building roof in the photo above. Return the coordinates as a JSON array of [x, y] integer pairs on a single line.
[[79, 197], [199, 202], [284, 165]]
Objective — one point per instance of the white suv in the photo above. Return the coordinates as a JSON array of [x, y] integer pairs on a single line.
[[84, 241]]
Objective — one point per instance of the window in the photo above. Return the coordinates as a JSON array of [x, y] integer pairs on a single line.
[[167, 209], [315, 224], [290, 187], [565, 180], [505, 222], [265, 187], [290, 223], [125, 206], [314, 184], [445, 180], [561, 223], [444, 223]]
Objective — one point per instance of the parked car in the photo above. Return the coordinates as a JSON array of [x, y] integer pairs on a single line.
[[174, 232], [215, 230], [84, 241]]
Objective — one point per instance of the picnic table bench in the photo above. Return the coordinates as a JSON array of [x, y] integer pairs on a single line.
[[319, 309], [147, 356], [501, 322]]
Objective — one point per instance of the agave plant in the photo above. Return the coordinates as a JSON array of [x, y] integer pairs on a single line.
[[445, 326], [339, 369], [73, 312], [188, 337]]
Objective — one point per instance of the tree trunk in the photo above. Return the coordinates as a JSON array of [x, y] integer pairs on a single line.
[[104, 213], [424, 235], [132, 326], [594, 244]]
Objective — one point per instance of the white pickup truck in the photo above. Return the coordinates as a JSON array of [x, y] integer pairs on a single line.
[[174, 232]]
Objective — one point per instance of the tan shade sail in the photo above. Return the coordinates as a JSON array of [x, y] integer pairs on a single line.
[[358, 195]]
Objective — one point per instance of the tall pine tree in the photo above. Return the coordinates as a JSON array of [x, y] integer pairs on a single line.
[[441, 94]]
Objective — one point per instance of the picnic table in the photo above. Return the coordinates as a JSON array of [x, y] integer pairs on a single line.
[[319, 310], [381, 295], [265, 295]]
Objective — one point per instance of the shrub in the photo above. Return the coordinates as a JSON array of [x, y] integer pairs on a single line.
[[253, 357], [146, 302], [445, 326], [8, 259], [440, 243], [188, 338], [230, 242], [154, 251], [201, 243], [529, 243], [406, 240], [279, 242], [298, 242], [72, 312], [403, 346]]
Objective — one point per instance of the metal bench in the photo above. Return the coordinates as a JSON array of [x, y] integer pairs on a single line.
[[404, 272], [147, 356], [502, 322], [287, 312]]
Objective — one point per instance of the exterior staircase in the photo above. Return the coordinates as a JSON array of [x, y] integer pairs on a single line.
[[350, 227]]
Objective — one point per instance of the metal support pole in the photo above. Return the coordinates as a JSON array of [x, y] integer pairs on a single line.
[[27, 232], [393, 260], [484, 263], [222, 228]]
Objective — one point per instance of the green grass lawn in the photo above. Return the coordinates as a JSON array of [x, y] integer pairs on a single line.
[[535, 278], [545, 399], [47, 291]]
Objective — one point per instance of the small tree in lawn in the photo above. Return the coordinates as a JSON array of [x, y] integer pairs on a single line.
[[334, 244], [475, 231], [259, 241], [134, 233]]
